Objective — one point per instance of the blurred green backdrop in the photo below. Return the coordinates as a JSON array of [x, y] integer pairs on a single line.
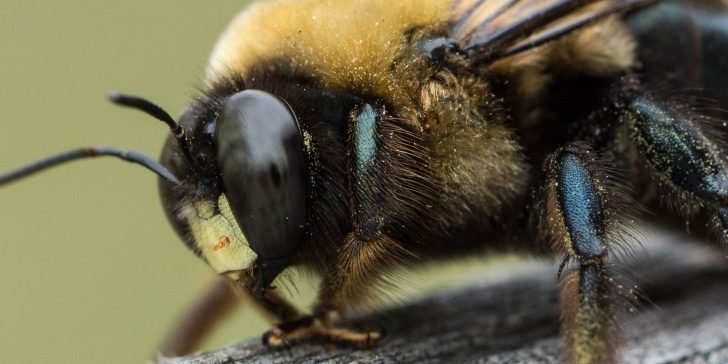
[[91, 270]]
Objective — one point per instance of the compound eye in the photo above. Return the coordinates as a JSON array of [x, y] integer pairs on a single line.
[[261, 156]]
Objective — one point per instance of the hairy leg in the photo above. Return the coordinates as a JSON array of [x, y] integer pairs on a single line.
[[580, 214], [357, 269], [214, 305], [677, 148]]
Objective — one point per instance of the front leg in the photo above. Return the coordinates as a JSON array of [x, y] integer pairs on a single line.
[[215, 304], [290, 325], [579, 215], [358, 268], [269, 303]]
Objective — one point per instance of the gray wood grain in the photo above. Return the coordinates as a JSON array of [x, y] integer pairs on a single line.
[[516, 319]]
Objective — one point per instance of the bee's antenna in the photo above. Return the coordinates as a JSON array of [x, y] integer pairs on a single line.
[[89, 152], [148, 107], [158, 113]]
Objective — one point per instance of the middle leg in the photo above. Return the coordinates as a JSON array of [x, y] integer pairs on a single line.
[[581, 213]]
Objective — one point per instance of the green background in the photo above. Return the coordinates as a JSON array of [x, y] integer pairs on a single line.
[[91, 271]]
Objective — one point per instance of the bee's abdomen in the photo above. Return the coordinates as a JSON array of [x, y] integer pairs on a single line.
[[692, 58]]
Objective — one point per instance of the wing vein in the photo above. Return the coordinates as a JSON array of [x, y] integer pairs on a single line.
[[487, 30]]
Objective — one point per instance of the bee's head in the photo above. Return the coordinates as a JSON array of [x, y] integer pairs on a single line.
[[242, 198]]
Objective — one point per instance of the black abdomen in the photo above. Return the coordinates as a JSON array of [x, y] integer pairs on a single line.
[[683, 44]]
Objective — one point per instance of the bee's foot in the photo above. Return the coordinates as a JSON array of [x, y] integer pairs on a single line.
[[274, 338], [312, 330]]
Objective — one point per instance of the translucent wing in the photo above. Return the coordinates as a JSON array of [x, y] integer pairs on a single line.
[[488, 30]]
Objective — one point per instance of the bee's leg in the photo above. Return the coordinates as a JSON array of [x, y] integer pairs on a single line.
[[216, 303], [267, 301], [354, 274], [676, 149], [273, 307], [357, 271], [311, 328], [194, 325], [578, 214], [291, 326]]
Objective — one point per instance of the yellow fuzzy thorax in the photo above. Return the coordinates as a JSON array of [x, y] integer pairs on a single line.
[[345, 44]]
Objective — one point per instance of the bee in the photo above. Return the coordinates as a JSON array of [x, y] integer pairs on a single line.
[[353, 138]]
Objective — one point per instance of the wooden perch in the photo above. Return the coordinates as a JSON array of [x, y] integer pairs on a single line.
[[516, 320]]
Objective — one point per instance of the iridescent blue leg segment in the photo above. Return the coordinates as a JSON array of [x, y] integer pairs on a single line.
[[578, 220], [680, 153]]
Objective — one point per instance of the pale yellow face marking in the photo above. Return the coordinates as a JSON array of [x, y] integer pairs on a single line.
[[218, 236]]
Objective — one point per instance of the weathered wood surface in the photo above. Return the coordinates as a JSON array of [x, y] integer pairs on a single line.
[[516, 320]]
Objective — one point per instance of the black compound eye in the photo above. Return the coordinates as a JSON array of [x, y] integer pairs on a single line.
[[261, 156]]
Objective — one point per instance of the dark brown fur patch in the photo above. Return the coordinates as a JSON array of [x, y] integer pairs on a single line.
[[359, 271]]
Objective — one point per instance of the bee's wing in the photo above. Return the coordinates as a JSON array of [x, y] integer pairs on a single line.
[[492, 29]]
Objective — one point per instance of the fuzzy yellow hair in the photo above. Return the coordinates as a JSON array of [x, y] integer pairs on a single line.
[[345, 44]]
